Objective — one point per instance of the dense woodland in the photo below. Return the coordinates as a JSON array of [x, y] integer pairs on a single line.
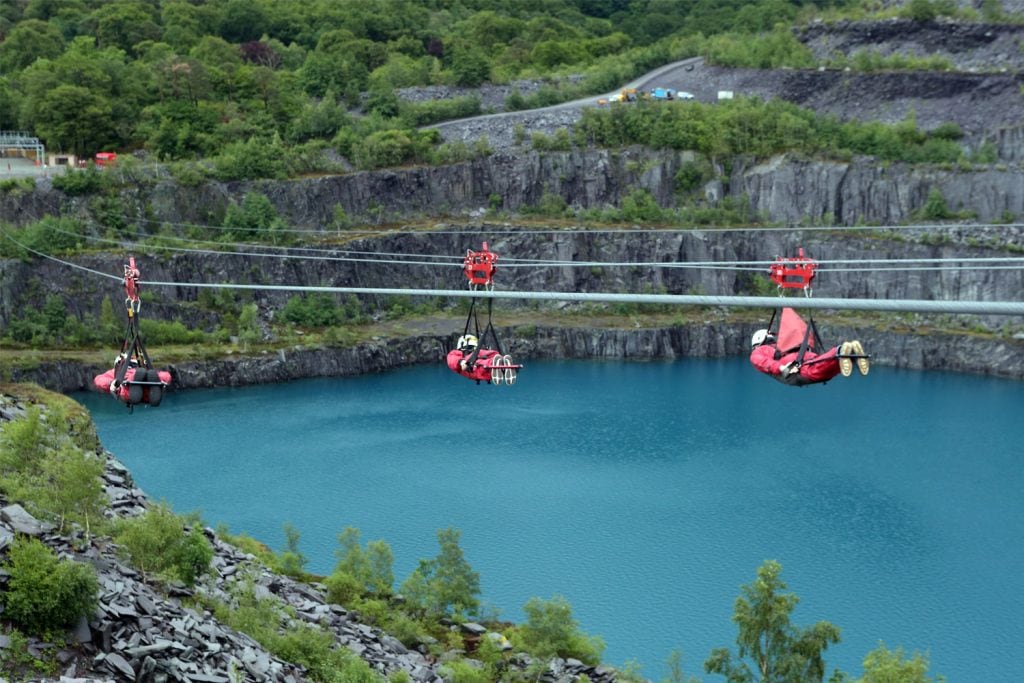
[[261, 88]]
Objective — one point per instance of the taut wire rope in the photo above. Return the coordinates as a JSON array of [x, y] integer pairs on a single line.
[[895, 305], [939, 263]]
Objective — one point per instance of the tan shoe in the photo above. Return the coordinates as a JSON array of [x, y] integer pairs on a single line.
[[845, 364], [863, 364]]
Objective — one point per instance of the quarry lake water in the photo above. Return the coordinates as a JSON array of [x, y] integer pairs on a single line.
[[644, 493]]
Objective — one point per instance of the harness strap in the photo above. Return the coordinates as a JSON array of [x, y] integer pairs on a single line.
[[803, 346]]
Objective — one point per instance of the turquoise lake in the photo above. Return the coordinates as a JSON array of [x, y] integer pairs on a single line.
[[644, 493]]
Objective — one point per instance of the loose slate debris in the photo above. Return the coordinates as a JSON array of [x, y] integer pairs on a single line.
[[140, 634]]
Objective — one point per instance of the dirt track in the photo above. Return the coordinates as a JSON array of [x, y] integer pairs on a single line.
[[984, 95]]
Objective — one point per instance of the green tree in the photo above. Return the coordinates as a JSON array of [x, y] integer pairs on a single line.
[[255, 218], [921, 10], [75, 486], [883, 665], [779, 651], [124, 24], [445, 584], [291, 561], [551, 631], [248, 325], [935, 207], [28, 41], [674, 664], [23, 447], [470, 65], [75, 119], [369, 569], [43, 592], [110, 327], [156, 543]]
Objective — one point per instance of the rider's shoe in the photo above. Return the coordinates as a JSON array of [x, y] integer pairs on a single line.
[[863, 364], [845, 364]]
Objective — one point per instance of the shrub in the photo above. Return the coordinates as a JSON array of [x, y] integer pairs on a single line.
[[693, 174], [419, 114], [254, 158], [342, 588], [78, 182], [311, 310], [640, 206], [461, 671], [43, 592], [935, 207], [445, 584], [157, 543], [169, 332], [551, 631]]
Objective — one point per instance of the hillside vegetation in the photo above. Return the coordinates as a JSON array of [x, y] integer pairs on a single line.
[[274, 89]]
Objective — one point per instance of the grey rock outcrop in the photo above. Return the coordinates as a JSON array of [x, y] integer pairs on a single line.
[[584, 179], [912, 347], [665, 258]]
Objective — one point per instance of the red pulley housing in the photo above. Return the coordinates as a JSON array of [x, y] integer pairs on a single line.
[[793, 273], [480, 267]]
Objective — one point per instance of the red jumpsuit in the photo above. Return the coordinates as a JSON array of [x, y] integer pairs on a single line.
[[481, 370], [763, 358]]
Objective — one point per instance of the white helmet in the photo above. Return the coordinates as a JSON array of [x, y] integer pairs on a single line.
[[470, 341], [759, 337]]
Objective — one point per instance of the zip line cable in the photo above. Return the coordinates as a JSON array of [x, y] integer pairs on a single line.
[[975, 263], [896, 305]]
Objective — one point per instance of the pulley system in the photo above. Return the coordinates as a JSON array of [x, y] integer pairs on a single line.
[[793, 272], [479, 267], [473, 356], [133, 379]]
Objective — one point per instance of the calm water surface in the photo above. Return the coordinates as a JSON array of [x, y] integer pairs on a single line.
[[645, 493]]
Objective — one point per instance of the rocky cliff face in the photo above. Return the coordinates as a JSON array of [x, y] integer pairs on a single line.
[[28, 284], [862, 191], [945, 351], [968, 46]]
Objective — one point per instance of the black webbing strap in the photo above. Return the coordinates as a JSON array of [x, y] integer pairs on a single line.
[[472, 318], [804, 345], [132, 347], [819, 345]]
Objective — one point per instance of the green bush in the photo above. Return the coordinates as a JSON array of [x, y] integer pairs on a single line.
[[78, 182], [419, 114], [750, 126], [551, 631], [44, 467], [254, 158], [935, 207], [43, 592], [360, 571], [50, 235], [445, 584], [461, 671], [157, 543], [311, 310], [343, 589], [693, 174], [169, 332]]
